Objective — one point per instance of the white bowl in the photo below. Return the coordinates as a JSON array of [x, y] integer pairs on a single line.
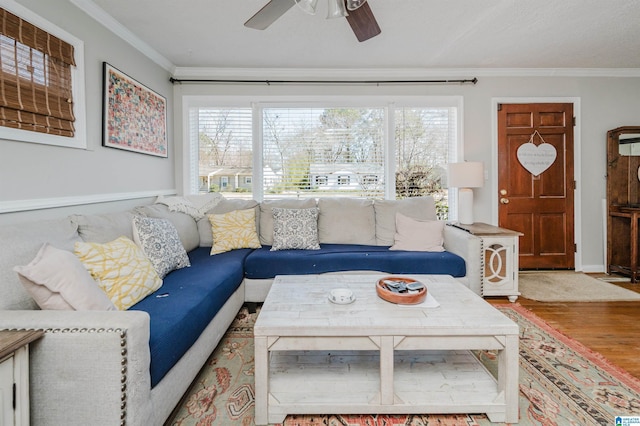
[[341, 296]]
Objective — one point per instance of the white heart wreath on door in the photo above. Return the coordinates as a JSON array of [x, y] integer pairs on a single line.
[[536, 158]]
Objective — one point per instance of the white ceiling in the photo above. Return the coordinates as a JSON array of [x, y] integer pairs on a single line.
[[416, 34]]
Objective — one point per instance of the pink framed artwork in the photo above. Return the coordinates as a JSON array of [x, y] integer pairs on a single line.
[[134, 116]]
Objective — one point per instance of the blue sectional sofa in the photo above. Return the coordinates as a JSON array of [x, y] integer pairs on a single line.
[[132, 367], [264, 264]]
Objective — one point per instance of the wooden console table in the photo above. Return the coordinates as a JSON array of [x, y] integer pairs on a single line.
[[623, 201], [500, 259], [623, 256], [14, 375]]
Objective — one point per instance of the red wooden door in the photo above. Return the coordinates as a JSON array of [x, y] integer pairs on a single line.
[[538, 205]]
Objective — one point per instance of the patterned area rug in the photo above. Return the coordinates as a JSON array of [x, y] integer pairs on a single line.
[[561, 383]]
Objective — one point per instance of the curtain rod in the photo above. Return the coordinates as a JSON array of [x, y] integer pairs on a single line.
[[376, 82]]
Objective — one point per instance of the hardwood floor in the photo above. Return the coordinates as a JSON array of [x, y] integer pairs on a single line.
[[610, 328]]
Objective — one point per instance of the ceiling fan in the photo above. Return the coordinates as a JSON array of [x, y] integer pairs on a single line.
[[357, 12]]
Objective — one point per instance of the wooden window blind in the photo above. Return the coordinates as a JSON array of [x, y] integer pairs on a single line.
[[35, 78]]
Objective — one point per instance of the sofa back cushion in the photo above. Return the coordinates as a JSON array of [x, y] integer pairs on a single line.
[[102, 228], [346, 221], [20, 245], [186, 225], [266, 215], [420, 208]]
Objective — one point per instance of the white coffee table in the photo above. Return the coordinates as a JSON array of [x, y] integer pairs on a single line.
[[371, 356]]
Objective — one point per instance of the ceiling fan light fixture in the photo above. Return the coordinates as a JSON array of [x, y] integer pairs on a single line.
[[308, 6], [354, 4], [337, 9]]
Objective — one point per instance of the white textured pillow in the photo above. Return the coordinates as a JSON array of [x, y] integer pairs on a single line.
[[160, 242], [295, 229], [56, 279], [418, 235]]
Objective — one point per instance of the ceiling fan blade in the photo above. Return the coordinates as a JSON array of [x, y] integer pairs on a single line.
[[363, 23], [269, 13]]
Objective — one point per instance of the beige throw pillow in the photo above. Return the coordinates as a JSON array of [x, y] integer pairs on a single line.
[[56, 279], [418, 235], [421, 208]]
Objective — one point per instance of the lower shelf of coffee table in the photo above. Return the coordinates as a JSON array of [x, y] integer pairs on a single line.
[[348, 382]]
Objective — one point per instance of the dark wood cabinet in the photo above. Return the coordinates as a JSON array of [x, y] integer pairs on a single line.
[[623, 198]]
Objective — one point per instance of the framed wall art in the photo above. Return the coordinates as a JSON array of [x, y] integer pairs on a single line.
[[134, 116]]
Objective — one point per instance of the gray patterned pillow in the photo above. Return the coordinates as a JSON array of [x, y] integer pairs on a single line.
[[295, 229], [160, 242]]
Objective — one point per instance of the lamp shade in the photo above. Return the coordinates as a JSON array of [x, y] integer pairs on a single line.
[[469, 174]]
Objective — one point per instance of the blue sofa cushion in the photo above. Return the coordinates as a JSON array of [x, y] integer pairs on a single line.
[[187, 301], [262, 263]]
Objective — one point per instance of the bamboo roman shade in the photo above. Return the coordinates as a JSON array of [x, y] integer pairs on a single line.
[[35, 82]]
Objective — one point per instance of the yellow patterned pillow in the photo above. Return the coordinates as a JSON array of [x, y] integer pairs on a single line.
[[234, 230], [121, 270]]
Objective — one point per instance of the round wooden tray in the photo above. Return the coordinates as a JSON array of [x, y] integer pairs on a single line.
[[412, 298]]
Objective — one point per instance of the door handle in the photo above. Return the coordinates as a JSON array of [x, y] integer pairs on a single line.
[[504, 200]]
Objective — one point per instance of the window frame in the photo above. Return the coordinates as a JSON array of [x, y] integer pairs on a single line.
[[258, 103], [79, 140]]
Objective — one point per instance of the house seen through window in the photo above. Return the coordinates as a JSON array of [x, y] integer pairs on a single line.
[[325, 151]]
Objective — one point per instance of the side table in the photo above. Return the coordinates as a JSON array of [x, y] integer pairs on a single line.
[[500, 259], [14, 375]]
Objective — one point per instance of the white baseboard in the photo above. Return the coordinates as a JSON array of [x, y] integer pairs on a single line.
[[593, 268]]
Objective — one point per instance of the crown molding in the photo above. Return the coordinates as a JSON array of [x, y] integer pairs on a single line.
[[393, 73], [109, 22]]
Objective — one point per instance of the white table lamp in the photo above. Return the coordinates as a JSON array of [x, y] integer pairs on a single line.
[[464, 176]]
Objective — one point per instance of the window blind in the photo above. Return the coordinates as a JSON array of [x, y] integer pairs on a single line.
[[316, 151], [225, 148], [323, 152], [35, 78]]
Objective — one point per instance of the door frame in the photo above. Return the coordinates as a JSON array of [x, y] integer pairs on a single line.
[[577, 170]]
